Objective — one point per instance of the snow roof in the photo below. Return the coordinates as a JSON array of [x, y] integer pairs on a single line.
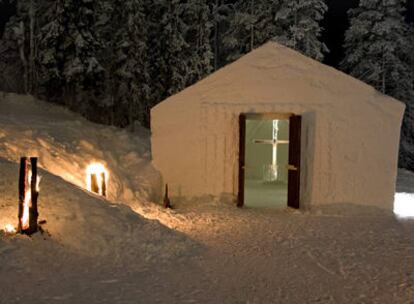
[[274, 73]]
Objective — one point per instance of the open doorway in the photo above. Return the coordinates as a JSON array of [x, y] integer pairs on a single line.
[[269, 160]]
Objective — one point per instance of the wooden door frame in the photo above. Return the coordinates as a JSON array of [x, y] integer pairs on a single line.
[[242, 152]]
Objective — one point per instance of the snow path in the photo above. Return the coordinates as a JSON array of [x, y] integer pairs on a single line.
[[251, 257], [290, 257]]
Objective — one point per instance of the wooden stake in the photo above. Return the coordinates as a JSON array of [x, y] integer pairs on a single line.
[[103, 184], [94, 183], [33, 214], [167, 202]]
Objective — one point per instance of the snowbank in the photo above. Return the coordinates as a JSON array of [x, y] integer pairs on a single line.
[[66, 143], [404, 196], [89, 225]]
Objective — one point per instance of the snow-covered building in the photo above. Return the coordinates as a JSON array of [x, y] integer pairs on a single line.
[[277, 128]]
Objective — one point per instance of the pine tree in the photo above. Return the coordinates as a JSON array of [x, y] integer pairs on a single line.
[[69, 46], [221, 11], [123, 28], [299, 26], [406, 156], [293, 23], [379, 51], [196, 17], [50, 52], [21, 31], [243, 32], [168, 46], [376, 47]]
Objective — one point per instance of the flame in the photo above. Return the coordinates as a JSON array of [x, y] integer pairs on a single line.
[[9, 228], [39, 177], [97, 169], [27, 203]]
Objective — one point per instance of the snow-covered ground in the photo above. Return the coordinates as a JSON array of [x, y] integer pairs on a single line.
[[128, 250]]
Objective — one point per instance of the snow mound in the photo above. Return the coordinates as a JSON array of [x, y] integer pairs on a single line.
[[404, 196], [67, 143], [88, 225]]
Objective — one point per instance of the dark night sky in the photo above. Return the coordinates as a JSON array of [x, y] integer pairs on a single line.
[[335, 24]]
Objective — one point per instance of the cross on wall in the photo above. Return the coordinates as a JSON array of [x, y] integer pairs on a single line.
[[274, 142]]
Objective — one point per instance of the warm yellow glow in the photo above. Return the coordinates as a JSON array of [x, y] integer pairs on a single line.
[[38, 183], [27, 203], [404, 204], [97, 169], [9, 228]]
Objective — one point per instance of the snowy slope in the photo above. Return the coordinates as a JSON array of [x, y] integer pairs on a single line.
[[66, 143], [88, 225]]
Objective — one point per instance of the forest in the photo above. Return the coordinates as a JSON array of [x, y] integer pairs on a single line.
[[112, 60]]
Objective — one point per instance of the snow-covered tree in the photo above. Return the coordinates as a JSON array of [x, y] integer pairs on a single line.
[[244, 32], [68, 55], [128, 76], [196, 16], [377, 46], [379, 51], [168, 47], [406, 159], [221, 12], [298, 23], [22, 30]]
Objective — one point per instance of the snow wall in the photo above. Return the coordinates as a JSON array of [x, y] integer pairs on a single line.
[[350, 132]]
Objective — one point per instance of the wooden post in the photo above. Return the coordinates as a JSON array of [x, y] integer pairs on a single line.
[[295, 129], [33, 214], [167, 202], [22, 188], [242, 152], [103, 183], [94, 183]]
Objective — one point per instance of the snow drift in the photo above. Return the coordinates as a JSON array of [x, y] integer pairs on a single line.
[[87, 224], [66, 143], [77, 219]]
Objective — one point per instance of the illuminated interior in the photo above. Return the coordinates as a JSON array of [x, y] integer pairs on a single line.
[[404, 205], [97, 179], [266, 161]]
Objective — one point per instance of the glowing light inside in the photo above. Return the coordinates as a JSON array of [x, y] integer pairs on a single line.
[[404, 204], [96, 169], [9, 228], [27, 203]]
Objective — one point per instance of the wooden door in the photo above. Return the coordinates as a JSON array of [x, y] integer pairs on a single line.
[[242, 153], [295, 127]]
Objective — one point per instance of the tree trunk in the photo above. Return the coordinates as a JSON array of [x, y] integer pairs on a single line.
[[216, 29], [21, 42], [32, 47], [383, 85], [252, 26]]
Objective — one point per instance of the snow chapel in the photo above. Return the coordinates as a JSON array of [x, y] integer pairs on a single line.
[[276, 129]]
